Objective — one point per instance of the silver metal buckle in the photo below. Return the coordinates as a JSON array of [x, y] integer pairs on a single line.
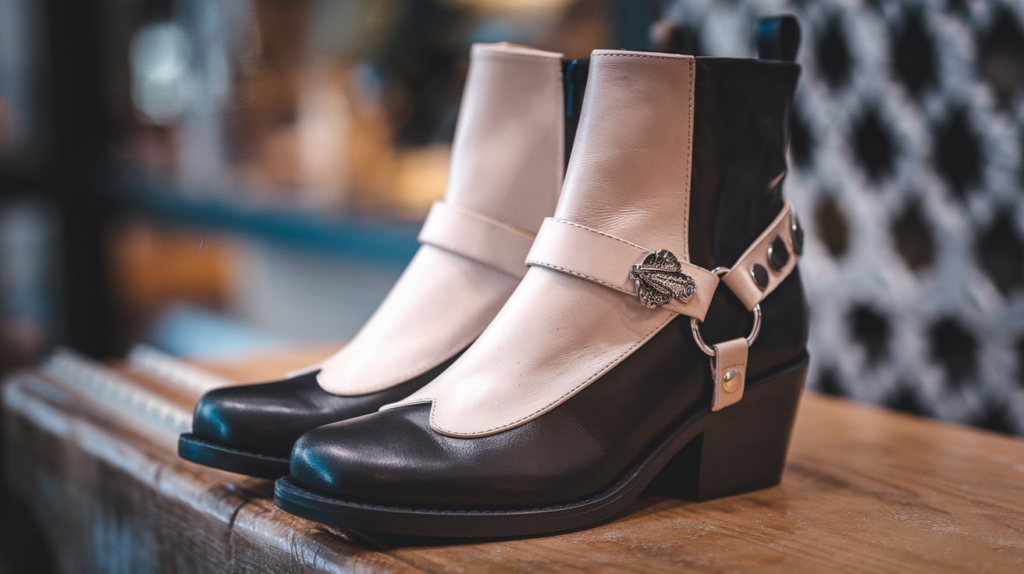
[[659, 279]]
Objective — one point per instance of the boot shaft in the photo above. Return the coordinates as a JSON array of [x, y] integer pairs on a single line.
[[519, 113], [741, 131], [638, 172], [681, 153]]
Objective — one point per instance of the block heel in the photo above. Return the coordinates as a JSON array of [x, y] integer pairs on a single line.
[[743, 448]]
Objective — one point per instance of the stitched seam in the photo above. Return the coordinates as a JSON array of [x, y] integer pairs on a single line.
[[689, 266], [606, 55], [456, 250], [670, 306], [585, 228], [619, 483], [469, 213], [569, 393], [494, 52], [571, 272], [689, 154]]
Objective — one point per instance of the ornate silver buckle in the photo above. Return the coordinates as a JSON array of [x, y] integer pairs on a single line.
[[659, 279]]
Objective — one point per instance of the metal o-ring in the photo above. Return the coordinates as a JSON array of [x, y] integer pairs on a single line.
[[708, 350]]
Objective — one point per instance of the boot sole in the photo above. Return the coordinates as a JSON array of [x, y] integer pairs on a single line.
[[710, 455], [195, 449]]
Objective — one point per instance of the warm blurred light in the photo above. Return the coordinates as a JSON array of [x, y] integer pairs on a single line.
[[422, 176], [159, 57], [324, 131], [514, 6]]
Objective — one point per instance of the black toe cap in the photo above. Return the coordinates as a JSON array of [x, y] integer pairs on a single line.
[[254, 417], [268, 418]]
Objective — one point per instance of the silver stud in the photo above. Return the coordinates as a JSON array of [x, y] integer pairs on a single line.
[[730, 381]]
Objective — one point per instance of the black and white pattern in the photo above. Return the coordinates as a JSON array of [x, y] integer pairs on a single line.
[[909, 180]]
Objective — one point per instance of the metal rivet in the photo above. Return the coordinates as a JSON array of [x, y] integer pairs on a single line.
[[798, 235], [731, 380], [760, 275], [778, 255]]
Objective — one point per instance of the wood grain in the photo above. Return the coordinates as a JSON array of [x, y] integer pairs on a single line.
[[865, 490]]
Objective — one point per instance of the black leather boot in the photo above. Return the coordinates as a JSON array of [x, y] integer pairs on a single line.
[[594, 381], [508, 161]]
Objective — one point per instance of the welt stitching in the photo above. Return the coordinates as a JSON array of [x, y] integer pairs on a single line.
[[568, 393], [585, 228]]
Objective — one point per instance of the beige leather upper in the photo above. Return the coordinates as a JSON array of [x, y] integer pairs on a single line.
[[629, 176], [477, 237], [506, 173], [508, 157], [605, 259]]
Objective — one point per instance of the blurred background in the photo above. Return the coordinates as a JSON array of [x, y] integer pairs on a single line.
[[220, 177]]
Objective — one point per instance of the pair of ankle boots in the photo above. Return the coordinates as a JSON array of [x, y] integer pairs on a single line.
[[545, 356]]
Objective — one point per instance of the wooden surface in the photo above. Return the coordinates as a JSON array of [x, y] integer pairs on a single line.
[[865, 490]]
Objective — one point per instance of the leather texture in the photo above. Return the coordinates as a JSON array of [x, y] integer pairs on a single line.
[[438, 306], [507, 167], [509, 143], [740, 277], [629, 177], [267, 418], [506, 174], [596, 256], [477, 237], [393, 457], [396, 458], [729, 362]]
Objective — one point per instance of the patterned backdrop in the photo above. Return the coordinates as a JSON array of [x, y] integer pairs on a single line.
[[908, 176]]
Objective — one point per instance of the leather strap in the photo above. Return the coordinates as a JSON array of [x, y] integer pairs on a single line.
[[605, 259], [477, 237], [729, 370], [775, 244]]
